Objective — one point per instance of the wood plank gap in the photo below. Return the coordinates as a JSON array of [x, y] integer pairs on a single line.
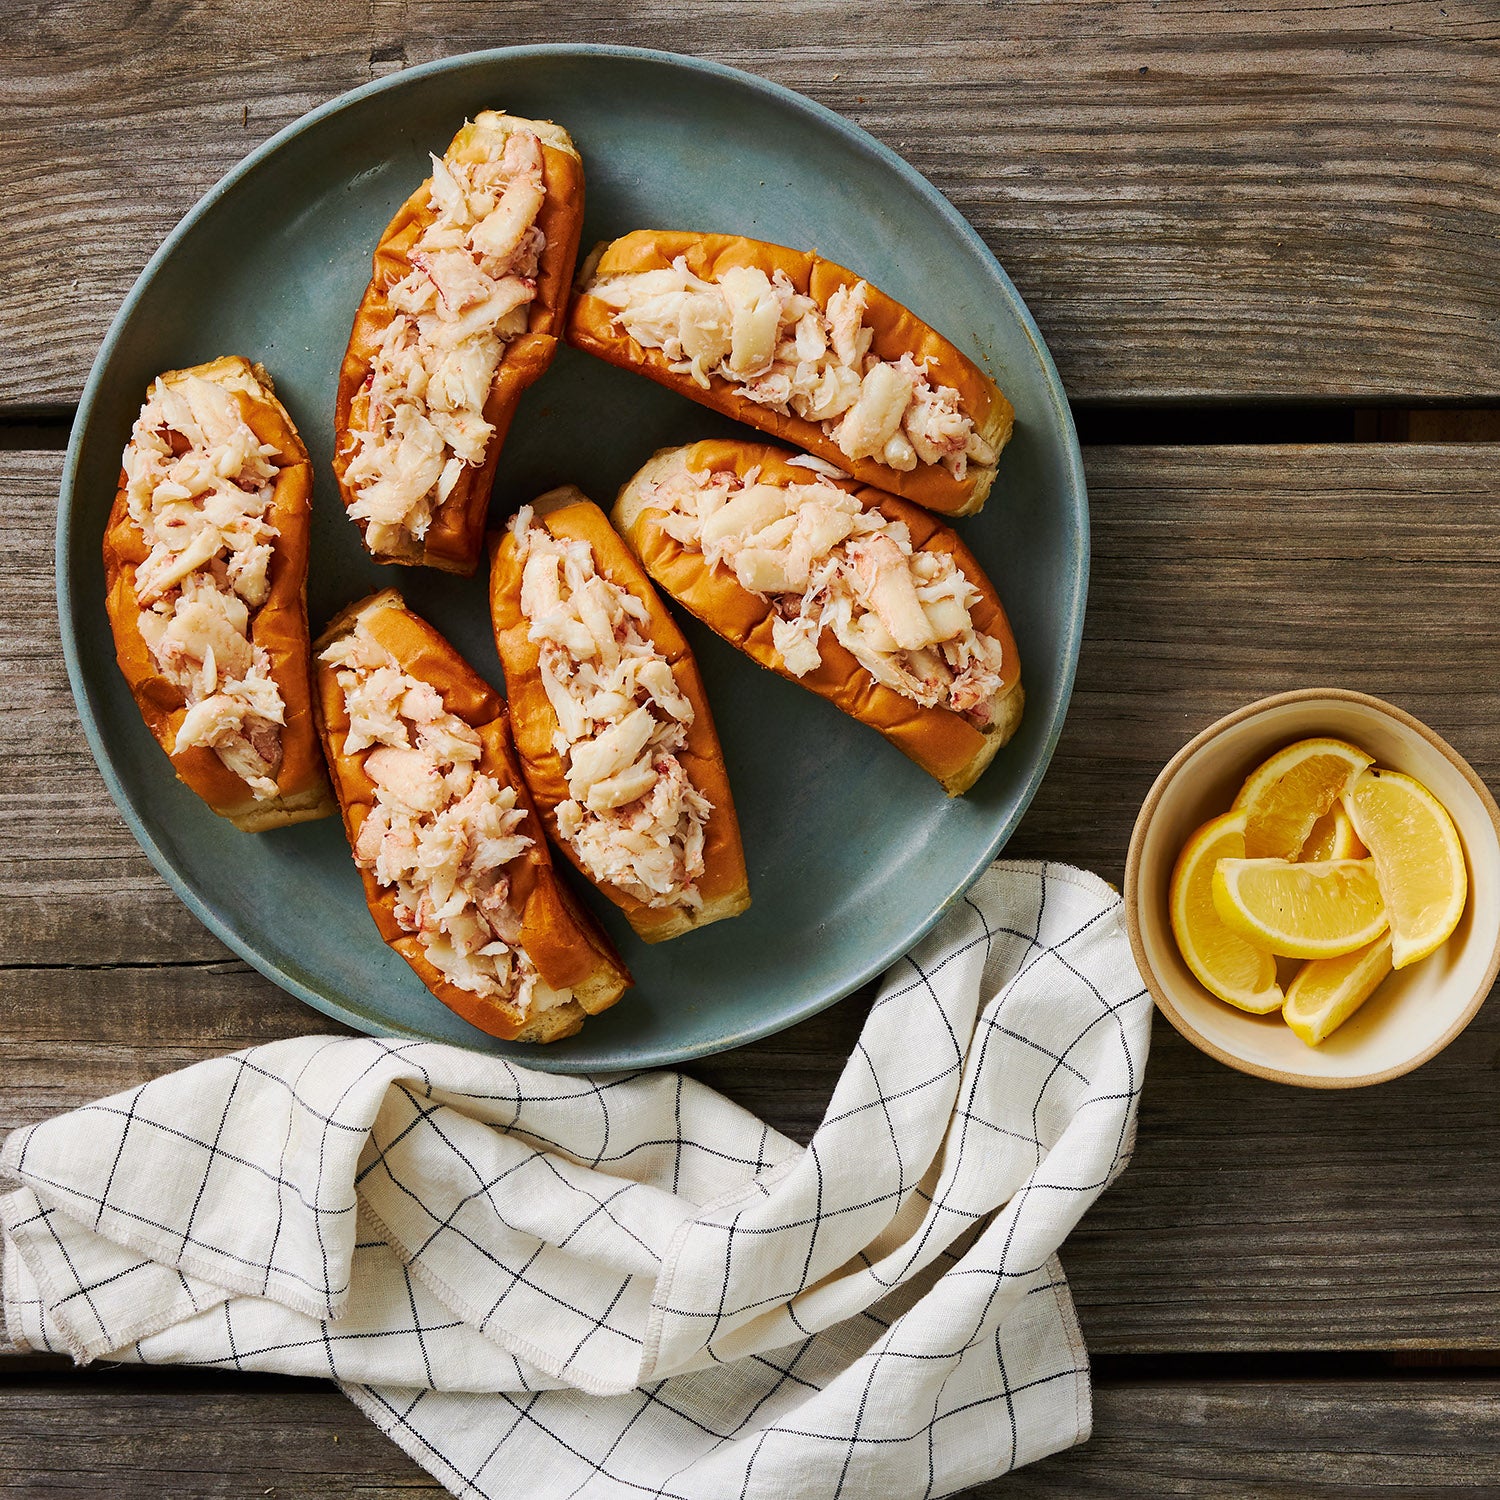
[[1196, 1366], [1203, 424], [127, 963], [1107, 1370], [1099, 423], [43, 428]]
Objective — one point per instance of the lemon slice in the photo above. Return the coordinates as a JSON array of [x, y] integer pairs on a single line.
[[1223, 962], [1317, 910], [1327, 991], [1286, 795], [1332, 837], [1418, 859]]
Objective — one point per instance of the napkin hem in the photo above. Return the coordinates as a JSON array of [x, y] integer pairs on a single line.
[[10, 1270], [51, 1298], [393, 1426], [1067, 1312], [84, 1348], [15, 1143], [1083, 880], [227, 1281]]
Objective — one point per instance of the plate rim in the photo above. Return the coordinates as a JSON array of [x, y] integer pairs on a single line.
[[541, 1058]]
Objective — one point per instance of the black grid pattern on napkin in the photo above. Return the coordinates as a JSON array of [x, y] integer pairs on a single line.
[[838, 1399], [976, 1381]]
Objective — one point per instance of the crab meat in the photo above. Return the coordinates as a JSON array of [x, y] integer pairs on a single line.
[[874, 419], [632, 817], [754, 312], [472, 282], [613, 750], [782, 351], [498, 235], [797, 644], [406, 778], [440, 834], [706, 330], [884, 582], [623, 787], [825, 562], [199, 484]]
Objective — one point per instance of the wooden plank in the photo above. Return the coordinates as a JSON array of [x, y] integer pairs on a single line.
[[1267, 201], [1219, 574], [74, 886], [137, 1435], [73, 1033], [1255, 1216], [131, 1433], [1276, 1440], [70, 1034]]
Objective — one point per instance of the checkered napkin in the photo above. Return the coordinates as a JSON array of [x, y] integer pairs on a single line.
[[620, 1286]]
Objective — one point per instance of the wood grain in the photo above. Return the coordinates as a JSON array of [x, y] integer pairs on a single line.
[[1276, 1440], [1255, 1216], [123, 1434], [1204, 199], [127, 1433], [73, 883]]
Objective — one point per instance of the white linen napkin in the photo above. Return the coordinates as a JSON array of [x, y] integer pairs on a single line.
[[623, 1285]]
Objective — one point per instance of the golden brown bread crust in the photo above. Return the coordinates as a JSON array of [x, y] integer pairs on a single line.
[[455, 537], [897, 331], [567, 512], [279, 625], [942, 742], [568, 947]]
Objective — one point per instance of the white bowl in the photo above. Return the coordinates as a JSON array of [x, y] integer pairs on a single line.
[[1417, 1011]]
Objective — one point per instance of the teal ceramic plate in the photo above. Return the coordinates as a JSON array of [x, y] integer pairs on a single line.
[[853, 852]]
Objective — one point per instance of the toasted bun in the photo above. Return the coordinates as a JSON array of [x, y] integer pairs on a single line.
[[455, 538], [591, 326], [568, 947], [279, 625], [942, 742], [567, 512]]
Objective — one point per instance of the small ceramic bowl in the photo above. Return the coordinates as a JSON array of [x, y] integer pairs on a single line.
[[1417, 1011]]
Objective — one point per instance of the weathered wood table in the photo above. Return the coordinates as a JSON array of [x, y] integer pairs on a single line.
[[1262, 243]]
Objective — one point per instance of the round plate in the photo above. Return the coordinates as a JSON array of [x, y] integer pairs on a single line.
[[853, 852]]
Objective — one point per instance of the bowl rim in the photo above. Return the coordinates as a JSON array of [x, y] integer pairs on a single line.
[[1143, 819]]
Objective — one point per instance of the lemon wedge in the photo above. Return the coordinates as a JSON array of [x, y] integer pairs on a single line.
[[1419, 860], [1332, 837], [1327, 991], [1223, 962], [1316, 910], [1285, 796]]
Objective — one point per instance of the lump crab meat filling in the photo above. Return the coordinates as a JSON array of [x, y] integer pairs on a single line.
[[439, 833], [199, 485], [633, 817], [787, 353], [826, 563], [467, 295]]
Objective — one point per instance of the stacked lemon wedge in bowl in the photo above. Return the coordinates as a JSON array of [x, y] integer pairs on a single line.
[[1326, 859]]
